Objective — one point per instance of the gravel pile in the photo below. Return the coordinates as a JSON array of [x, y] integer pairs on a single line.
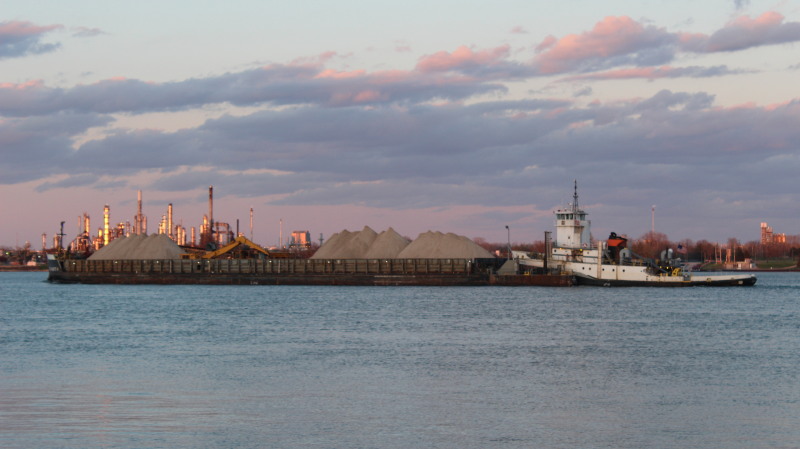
[[347, 245], [387, 245], [366, 244], [435, 245], [155, 246]]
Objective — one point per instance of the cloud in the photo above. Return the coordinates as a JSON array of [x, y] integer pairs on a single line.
[[481, 64], [622, 41], [18, 38], [585, 91], [274, 84], [427, 155], [85, 179], [37, 147], [653, 73], [744, 32], [612, 42], [616, 47], [462, 57], [87, 32]]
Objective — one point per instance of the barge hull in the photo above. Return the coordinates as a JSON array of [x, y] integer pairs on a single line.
[[356, 272]]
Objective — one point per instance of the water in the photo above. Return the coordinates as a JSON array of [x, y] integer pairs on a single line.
[[87, 366]]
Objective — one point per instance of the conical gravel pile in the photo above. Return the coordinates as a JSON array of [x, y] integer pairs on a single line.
[[156, 246], [435, 245], [387, 245]]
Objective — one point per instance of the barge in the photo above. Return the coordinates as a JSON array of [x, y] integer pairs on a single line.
[[282, 271]]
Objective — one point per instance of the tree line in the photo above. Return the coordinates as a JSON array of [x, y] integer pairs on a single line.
[[651, 244]]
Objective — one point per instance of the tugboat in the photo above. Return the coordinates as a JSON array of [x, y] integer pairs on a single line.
[[611, 263]]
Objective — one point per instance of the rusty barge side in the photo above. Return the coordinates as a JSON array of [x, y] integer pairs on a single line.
[[367, 272]]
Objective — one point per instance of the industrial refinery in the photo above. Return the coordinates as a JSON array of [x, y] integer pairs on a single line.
[[210, 235]]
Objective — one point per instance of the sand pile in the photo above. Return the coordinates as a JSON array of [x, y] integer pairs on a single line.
[[387, 245], [155, 246], [366, 244], [347, 245], [435, 245], [333, 245], [360, 243]]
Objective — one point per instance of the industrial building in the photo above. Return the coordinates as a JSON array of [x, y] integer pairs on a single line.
[[768, 236], [210, 235]]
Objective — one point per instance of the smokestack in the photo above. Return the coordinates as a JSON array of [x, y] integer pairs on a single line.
[[169, 222], [251, 224], [211, 205], [139, 223], [106, 212], [211, 213]]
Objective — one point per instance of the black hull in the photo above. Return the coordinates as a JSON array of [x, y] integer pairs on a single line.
[[745, 282]]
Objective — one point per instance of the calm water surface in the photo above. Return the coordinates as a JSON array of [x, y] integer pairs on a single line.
[[85, 366]]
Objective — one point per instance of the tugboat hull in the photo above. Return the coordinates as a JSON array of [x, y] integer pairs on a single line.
[[672, 281]]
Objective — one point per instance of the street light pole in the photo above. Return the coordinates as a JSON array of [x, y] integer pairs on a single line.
[[509, 241]]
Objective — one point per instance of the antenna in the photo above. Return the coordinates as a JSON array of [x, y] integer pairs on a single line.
[[575, 198]]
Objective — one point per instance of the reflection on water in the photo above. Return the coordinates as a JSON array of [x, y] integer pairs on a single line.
[[194, 366]]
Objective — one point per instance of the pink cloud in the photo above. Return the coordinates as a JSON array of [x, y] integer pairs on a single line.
[[460, 58], [744, 32], [333, 74], [548, 42], [19, 38], [622, 41], [612, 36], [33, 84], [20, 28]]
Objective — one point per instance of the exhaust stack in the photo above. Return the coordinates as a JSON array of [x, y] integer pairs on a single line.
[[169, 222], [106, 213]]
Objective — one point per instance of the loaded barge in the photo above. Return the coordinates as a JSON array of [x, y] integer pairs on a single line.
[[282, 271]]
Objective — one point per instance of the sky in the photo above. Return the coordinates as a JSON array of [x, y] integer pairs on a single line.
[[452, 116]]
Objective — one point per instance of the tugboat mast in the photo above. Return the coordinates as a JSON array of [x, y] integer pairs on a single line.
[[575, 198]]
